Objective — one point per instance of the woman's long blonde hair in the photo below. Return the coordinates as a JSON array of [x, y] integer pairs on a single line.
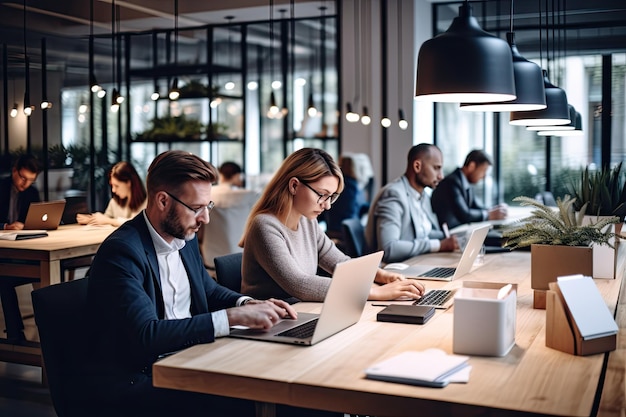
[[306, 164]]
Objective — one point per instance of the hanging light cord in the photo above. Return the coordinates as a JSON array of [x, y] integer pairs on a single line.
[[511, 16], [113, 41], [357, 52], [175, 32], [399, 59], [271, 39]]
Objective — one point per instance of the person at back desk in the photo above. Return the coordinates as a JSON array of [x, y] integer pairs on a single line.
[[16, 194], [129, 197], [401, 221], [149, 295], [232, 206], [453, 200]]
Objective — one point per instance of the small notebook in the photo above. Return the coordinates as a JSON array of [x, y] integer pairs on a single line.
[[21, 234], [429, 368], [403, 313]]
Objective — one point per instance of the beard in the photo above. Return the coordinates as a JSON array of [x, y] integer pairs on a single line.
[[172, 225]]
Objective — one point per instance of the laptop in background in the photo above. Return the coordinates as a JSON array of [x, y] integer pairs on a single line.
[[448, 273], [343, 306], [46, 215]]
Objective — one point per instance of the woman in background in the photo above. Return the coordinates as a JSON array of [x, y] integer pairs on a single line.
[[128, 197], [284, 245], [351, 205]]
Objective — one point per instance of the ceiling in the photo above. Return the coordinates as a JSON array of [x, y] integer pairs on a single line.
[[66, 26], [598, 26]]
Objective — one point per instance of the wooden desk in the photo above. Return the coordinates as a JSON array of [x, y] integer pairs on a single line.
[[41, 259], [531, 380]]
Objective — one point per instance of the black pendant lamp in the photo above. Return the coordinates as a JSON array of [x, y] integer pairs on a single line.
[[465, 64], [564, 130], [570, 126], [577, 131], [556, 112], [531, 94]]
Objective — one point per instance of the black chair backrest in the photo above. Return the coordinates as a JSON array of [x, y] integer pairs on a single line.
[[60, 315], [354, 237], [228, 270]]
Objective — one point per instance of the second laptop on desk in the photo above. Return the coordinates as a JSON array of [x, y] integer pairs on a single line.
[[448, 273], [343, 306]]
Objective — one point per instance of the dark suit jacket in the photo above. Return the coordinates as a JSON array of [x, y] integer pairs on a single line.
[[29, 195], [452, 204], [126, 305]]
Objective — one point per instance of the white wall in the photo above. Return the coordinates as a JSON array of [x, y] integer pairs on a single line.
[[416, 29]]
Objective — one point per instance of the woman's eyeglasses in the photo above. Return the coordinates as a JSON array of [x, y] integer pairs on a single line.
[[331, 198]]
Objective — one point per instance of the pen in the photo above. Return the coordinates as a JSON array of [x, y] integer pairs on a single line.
[[380, 305], [446, 232]]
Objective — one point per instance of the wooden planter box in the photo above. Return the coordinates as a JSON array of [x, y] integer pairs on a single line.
[[547, 262]]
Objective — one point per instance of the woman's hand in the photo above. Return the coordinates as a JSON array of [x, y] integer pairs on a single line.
[[83, 218], [384, 276], [406, 289]]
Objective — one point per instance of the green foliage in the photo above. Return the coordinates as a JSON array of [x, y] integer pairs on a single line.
[[603, 191], [557, 227], [58, 156], [173, 128], [194, 89]]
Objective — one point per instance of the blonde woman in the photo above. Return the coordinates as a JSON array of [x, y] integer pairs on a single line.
[[284, 245]]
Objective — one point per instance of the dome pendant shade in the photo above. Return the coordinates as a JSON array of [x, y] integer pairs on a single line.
[[465, 64], [557, 112], [529, 87], [578, 131], [574, 128]]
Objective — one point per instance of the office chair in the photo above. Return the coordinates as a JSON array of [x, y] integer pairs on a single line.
[[228, 270], [60, 315], [354, 237]]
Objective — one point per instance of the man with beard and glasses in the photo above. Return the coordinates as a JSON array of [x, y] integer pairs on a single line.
[[401, 221], [149, 295]]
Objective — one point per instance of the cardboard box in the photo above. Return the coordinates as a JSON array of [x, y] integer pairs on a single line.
[[565, 330], [484, 318], [550, 261]]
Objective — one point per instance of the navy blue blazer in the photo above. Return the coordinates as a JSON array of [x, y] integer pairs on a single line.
[[453, 204], [29, 195], [126, 305]]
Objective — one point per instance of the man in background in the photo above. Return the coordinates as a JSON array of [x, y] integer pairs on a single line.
[[16, 194], [454, 202], [401, 221], [232, 205]]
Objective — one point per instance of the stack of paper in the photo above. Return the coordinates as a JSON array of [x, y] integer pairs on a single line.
[[430, 368]]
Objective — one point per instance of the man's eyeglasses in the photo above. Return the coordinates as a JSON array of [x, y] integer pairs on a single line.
[[25, 179], [331, 198], [196, 211]]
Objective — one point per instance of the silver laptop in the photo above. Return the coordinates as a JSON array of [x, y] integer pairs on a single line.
[[343, 306], [448, 273], [45, 216]]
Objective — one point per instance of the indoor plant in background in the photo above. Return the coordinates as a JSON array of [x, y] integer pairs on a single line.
[[560, 243], [601, 193]]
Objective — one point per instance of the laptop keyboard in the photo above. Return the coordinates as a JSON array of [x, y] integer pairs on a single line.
[[434, 298], [303, 331], [439, 272]]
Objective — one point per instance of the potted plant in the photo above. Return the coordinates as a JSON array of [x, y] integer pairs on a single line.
[[560, 243], [602, 191], [172, 128]]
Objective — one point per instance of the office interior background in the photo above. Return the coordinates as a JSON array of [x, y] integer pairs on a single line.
[[231, 63]]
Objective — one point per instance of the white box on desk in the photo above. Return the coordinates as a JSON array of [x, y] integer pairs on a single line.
[[484, 318]]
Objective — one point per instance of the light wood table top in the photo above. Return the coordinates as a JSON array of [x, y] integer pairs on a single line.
[[40, 258], [531, 379]]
